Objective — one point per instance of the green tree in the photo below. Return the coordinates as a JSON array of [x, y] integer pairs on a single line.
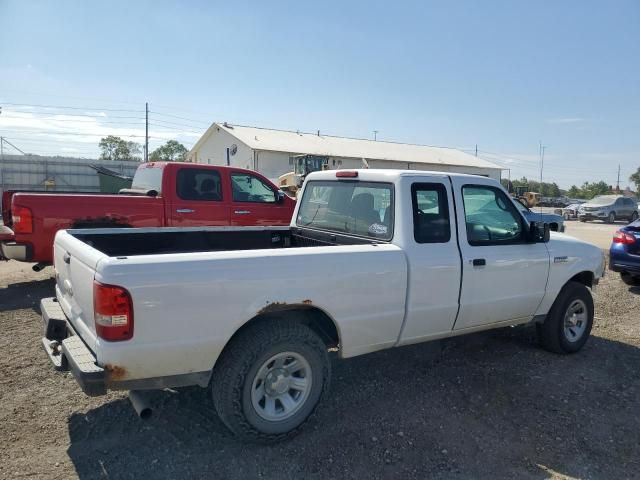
[[593, 189], [172, 151], [574, 192], [115, 148], [635, 178]]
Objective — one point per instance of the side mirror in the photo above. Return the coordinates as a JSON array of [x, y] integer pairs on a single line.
[[539, 232], [280, 196]]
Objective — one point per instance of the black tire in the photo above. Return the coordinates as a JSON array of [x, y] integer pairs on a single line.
[[583, 220], [634, 217], [551, 333], [238, 366], [611, 218], [631, 280]]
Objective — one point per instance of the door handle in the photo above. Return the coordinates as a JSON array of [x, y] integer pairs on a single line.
[[66, 258], [242, 212], [184, 210], [479, 262]]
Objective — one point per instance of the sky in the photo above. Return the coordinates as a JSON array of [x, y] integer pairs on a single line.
[[501, 75]]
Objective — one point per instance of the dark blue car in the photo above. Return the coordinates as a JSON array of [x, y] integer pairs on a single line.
[[624, 254]]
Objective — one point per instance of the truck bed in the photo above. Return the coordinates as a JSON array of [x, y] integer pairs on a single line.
[[153, 241]]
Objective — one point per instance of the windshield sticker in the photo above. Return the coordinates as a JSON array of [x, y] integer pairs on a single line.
[[378, 229]]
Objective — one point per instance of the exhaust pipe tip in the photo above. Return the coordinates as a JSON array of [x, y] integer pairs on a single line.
[[38, 267], [140, 404]]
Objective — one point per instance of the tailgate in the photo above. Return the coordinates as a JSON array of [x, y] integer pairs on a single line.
[[75, 263], [6, 207]]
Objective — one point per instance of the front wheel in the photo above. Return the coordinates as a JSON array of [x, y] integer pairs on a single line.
[[631, 280], [569, 321], [270, 379], [611, 217], [634, 217]]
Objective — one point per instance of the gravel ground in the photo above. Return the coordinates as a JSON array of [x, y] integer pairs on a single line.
[[483, 406]]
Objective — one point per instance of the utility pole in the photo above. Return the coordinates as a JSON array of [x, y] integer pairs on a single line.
[[375, 135], [146, 132], [618, 182], [476, 149], [542, 148]]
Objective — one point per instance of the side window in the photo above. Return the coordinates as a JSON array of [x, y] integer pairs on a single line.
[[248, 188], [430, 213], [199, 184], [490, 216]]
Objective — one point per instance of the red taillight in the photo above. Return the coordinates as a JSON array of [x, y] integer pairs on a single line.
[[22, 219], [624, 238], [346, 174], [112, 312]]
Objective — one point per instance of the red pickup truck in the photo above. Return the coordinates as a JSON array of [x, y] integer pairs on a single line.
[[163, 194]]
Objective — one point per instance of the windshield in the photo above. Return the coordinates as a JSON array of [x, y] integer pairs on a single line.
[[602, 200], [308, 163], [148, 178], [357, 208]]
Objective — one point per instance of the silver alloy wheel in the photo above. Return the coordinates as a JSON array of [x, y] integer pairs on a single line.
[[575, 320], [281, 386], [612, 217]]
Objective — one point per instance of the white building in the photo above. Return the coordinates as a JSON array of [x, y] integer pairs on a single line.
[[271, 152]]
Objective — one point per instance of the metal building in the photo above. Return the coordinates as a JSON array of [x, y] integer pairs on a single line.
[[271, 152]]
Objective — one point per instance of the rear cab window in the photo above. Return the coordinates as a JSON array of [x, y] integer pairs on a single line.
[[431, 223], [199, 184], [363, 209], [148, 177]]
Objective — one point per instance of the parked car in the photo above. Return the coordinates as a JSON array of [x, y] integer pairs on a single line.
[[162, 194], [570, 212], [609, 208], [624, 254], [555, 222], [373, 259]]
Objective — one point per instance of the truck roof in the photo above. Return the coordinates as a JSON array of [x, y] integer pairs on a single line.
[[387, 174]]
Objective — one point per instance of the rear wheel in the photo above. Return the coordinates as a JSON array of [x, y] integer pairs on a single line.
[[611, 217], [634, 217], [583, 220], [270, 379], [569, 321], [631, 280]]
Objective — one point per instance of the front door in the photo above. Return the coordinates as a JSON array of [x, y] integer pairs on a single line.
[[254, 202], [198, 199], [504, 277]]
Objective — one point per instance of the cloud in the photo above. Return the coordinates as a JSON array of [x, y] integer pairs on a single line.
[[565, 120], [62, 130]]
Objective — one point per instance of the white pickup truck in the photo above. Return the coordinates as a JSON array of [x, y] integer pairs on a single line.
[[373, 259]]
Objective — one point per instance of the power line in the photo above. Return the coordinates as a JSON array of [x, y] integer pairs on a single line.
[[87, 122], [181, 118], [31, 112], [177, 124], [71, 108], [173, 129]]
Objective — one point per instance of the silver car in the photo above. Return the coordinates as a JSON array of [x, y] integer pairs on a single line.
[[609, 208]]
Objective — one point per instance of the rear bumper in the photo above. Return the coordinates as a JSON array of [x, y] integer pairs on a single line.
[[618, 266], [10, 249], [622, 261], [16, 251], [67, 351], [591, 216]]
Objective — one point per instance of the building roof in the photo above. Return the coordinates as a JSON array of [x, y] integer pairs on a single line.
[[310, 143]]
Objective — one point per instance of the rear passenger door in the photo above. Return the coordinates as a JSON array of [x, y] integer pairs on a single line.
[[199, 199], [434, 262], [503, 276]]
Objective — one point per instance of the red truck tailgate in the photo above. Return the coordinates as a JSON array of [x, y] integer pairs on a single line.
[[6, 207]]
